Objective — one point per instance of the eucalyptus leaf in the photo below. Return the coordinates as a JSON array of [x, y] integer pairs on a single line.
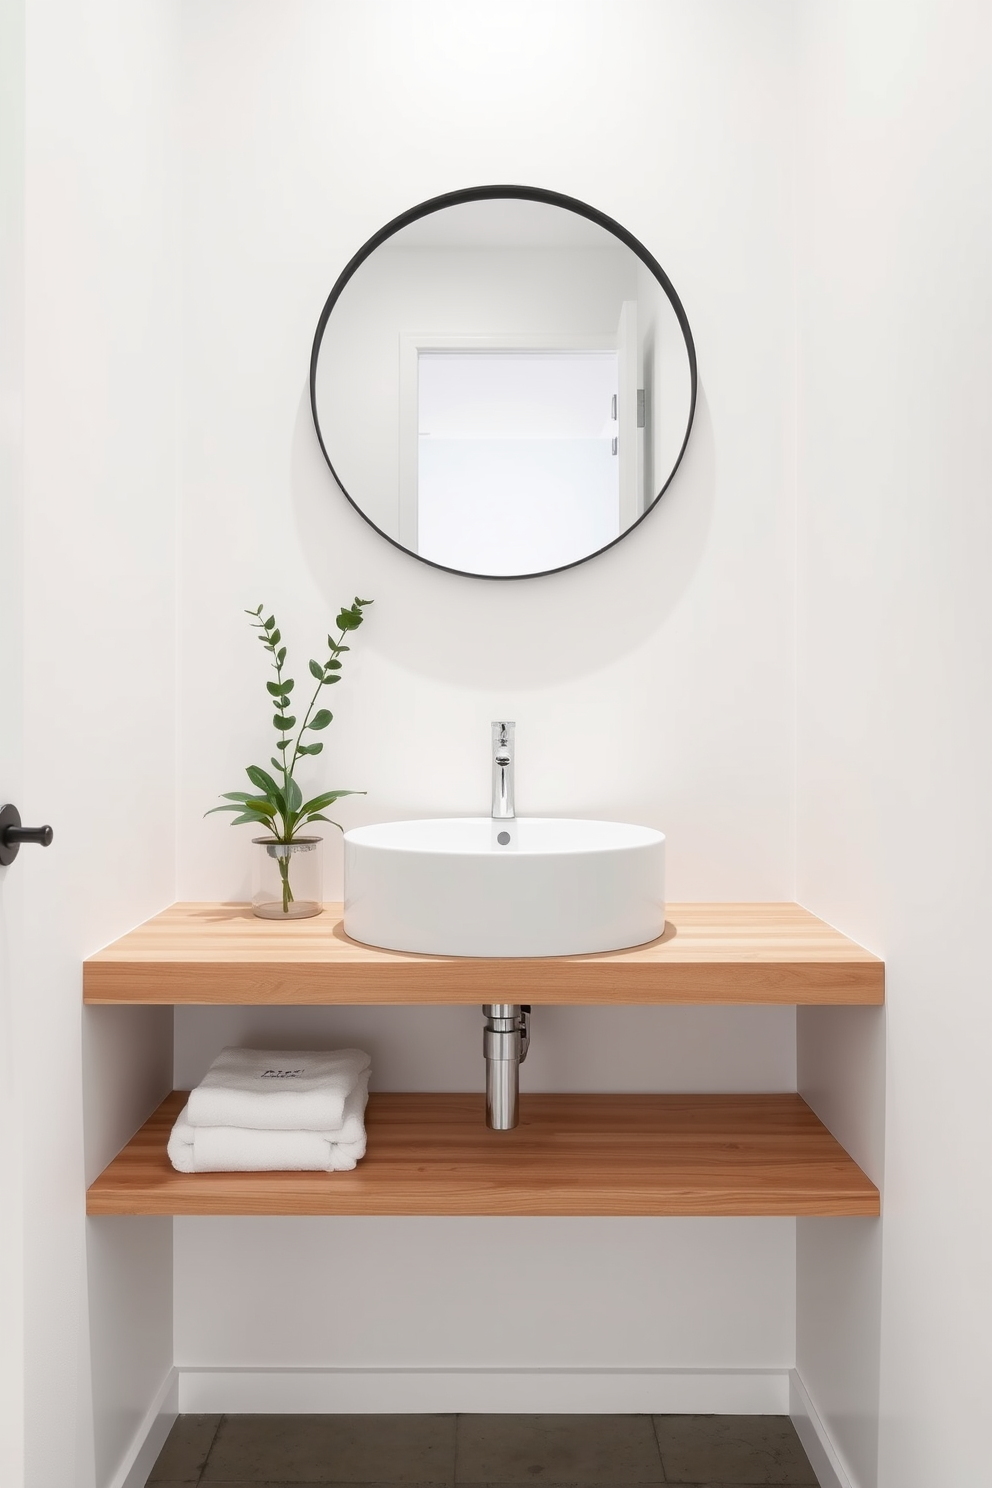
[[316, 670], [275, 636], [270, 624], [321, 718], [275, 688]]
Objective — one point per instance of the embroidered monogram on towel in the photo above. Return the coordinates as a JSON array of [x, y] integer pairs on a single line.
[[281, 1074]]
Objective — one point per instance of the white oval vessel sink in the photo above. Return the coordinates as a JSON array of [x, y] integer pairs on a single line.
[[551, 887]]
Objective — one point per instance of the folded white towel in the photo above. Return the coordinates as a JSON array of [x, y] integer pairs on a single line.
[[238, 1149], [277, 1089]]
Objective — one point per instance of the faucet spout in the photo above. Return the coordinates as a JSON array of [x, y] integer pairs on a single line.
[[503, 771]]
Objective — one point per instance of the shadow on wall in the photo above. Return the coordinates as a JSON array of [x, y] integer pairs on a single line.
[[505, 632]]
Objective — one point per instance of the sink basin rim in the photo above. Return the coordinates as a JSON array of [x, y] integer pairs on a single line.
[[473, 836]]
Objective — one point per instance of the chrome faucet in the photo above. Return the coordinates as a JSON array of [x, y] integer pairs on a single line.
[[503, 771]]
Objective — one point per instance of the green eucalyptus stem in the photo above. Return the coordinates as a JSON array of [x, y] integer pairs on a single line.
[[287, 894], [335, 649]]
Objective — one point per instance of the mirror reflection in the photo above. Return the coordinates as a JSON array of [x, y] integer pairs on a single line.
[[502, 386]]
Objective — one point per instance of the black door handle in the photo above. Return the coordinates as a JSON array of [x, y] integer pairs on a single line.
[[12, 834]]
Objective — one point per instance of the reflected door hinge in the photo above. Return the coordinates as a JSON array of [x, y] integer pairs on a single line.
[[640, 408]]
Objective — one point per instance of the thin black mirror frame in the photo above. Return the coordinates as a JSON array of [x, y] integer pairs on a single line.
[[497, 193]]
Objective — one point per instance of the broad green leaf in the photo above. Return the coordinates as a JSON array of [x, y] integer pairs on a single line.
[[317, 816], [362, 602], [284, 722], [294, 796], [283, 743], [239, 807], [270, 623], [236, 795], [288, 685], [263, 780], [316, 670], [275, 688], [253, 818], [334, 677], [261, 804], [321, 718], [310, 748], [273, 761], [281, 655], [319, 802], [348, 620], [275, 636], [333, 665]]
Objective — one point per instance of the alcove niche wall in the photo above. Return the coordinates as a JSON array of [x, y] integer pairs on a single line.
[[195, 175], [670, 659]]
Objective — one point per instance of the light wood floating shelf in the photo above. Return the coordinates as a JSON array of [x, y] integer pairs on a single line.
[[571, 1154], [710, 953]]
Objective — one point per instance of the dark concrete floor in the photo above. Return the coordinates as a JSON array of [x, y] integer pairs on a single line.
[[482, 1451]]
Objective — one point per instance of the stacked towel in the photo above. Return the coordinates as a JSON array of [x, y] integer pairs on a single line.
[[261, 1109]]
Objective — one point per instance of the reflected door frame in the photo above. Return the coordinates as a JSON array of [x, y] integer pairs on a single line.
[[411, 344]]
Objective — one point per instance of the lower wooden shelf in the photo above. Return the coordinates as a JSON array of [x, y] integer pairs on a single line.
[[570, 1155]]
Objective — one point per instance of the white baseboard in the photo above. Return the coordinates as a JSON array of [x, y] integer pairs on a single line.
[[660, 1391], [149, 1439], [830, 1471]]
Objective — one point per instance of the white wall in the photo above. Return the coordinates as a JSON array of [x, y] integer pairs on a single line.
[[98, 630], [11, 731], [308, 125], [895, 724]]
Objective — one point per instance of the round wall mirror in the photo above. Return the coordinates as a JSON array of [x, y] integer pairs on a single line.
[[503, 381]]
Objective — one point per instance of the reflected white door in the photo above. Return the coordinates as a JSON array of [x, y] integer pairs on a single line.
[[517, 465]]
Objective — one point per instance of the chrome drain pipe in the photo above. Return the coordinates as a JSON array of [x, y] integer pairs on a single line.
[[505, 1040]]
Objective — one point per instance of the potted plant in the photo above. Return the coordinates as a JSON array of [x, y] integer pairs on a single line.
[[286, 868]]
